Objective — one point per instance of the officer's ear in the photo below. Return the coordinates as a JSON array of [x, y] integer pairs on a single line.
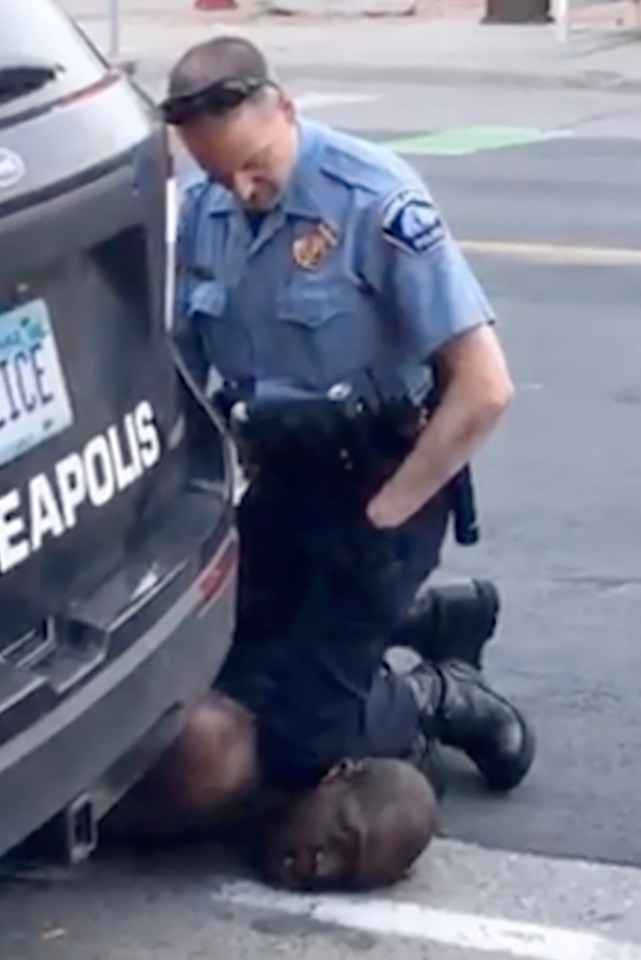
[[287, 105]]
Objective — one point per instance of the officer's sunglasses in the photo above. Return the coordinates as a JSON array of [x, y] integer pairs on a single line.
[[217, 98]]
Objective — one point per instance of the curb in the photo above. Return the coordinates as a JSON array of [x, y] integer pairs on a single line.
[[348, 9], [435, 76], [464, 76]]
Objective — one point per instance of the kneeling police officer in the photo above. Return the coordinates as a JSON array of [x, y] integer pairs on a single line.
[[361, 373]]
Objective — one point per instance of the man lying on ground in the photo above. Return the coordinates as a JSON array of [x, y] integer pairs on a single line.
[[362, 820]]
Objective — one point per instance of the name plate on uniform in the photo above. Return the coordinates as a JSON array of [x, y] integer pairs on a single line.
[[34, 402]]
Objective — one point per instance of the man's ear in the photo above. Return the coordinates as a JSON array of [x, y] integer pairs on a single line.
[[342, 771], [351, 827]]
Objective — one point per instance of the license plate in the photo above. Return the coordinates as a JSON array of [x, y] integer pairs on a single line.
[[34, 402]]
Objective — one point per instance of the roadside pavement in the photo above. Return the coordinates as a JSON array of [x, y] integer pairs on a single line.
[[446, 42], [461, 903]]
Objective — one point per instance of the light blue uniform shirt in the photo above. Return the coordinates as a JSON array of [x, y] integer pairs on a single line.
[[388, 290]]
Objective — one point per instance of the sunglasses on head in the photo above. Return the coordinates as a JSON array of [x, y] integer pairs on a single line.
[[217, 98]]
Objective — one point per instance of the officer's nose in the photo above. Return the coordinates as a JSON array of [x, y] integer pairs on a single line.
[[243, 186]]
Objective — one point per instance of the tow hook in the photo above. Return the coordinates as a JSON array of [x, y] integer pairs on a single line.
[[80, 830]]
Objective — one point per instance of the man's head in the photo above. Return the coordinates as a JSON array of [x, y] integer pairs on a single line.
[[362, 827], [234, 119]]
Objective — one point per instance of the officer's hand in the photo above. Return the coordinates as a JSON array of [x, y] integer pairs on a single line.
[[391, 508]]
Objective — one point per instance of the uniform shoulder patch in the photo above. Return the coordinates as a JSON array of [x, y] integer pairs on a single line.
[[411, 221]]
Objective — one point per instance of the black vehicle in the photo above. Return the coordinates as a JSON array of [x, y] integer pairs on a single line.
[[118, 553]]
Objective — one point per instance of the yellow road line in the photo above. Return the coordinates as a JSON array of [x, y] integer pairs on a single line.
[[555, 253]]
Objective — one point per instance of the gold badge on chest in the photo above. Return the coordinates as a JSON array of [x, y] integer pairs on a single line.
[[312, 248]]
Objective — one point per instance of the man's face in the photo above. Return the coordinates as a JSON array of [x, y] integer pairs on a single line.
[[251, 151], [315, 842]]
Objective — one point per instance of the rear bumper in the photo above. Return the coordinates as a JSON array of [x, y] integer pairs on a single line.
[[98, 741]]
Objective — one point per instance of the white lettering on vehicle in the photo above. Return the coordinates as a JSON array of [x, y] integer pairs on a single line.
[[46, 517], [14, 547], [50, 505]]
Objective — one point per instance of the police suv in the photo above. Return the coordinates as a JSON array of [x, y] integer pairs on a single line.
[[118, 554]]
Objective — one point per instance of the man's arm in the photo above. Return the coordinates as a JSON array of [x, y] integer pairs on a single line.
[[443, 316]]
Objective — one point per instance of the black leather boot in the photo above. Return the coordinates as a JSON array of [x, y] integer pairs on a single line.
[[459, 709], [427, 759], [451, 622]]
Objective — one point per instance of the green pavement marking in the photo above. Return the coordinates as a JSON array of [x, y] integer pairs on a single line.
[[459, 141]]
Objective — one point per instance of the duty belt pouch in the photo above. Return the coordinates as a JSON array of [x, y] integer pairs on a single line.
[[288, 441]]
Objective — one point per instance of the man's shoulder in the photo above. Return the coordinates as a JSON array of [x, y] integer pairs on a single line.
[[363, 165]]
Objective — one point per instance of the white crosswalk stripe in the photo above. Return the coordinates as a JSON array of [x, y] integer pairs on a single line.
[[477, 902], [417, 922], [315, 99]]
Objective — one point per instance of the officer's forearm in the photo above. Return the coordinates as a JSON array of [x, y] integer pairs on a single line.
[[450, 440], [477, 390]]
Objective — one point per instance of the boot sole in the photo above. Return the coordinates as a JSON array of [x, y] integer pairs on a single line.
[[473, 655], [470, 650], [491, 596]]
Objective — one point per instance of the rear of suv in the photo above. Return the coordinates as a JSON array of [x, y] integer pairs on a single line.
[[118, 553]]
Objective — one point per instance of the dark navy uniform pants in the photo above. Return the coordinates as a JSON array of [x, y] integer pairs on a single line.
[[320, 593]]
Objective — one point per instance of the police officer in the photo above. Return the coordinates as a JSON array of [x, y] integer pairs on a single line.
[[306, 256]]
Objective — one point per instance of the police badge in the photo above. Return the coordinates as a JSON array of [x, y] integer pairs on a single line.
[[310, 249]]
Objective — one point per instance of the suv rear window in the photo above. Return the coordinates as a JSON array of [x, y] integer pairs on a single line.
[[43, 56]]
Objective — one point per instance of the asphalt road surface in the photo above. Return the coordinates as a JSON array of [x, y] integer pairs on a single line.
[[559, 488], [550, 228]]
